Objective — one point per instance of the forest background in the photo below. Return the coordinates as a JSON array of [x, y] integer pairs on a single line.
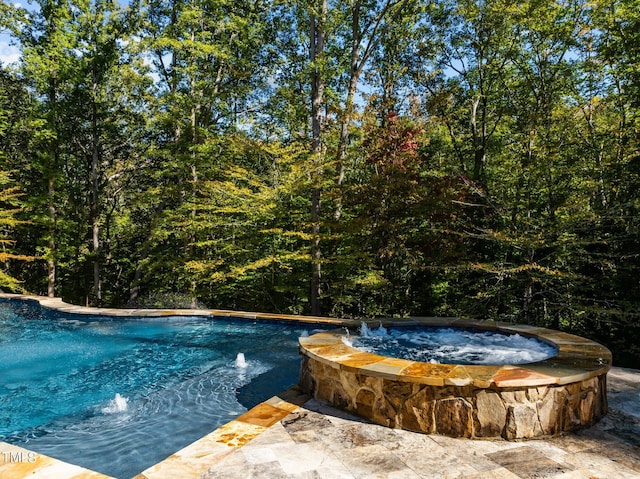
[[352, 158]]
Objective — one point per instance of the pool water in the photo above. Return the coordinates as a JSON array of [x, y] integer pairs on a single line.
[[118, 395], [452, 345]]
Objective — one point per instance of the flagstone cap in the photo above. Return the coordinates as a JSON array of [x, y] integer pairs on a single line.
[[577, 359]]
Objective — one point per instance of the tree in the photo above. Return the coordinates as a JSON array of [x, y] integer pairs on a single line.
[[368, 23], [470, 64], [47, 43], [251, 233], [104, 126], [212, 59], [317, 39], [12, 98]]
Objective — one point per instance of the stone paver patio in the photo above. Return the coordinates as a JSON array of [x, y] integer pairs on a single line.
[[318, 441]]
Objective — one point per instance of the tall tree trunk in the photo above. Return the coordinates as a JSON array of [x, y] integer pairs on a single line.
[[51, 263], [51, 193], [316, 52], [193, 238], [527, 300], [479, 132], [95, 209], [345, 121], [195, 106]]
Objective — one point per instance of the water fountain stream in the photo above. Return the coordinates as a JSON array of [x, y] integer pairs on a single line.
[[241, 362]]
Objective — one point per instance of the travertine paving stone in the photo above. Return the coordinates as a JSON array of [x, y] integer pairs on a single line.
[[341, 446], [528, 463]]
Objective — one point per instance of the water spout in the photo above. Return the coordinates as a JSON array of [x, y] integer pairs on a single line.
[[365, 332], [117, 404], [382, 331], [240, 361], [347, 338]]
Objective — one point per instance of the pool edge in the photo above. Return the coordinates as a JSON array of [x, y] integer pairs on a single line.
[[195, 459], [59, 305]]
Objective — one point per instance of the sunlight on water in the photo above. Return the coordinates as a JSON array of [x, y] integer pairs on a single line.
[[120, 383]]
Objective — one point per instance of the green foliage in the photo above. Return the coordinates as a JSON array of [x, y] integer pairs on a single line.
[[10, 195], [168, 300], [239, 242], [9, 211]]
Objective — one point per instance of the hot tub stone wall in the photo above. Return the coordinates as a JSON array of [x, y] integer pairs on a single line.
[[546, 398], [459, 411]]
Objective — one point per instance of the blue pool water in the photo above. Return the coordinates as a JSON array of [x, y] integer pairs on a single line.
[[118, 395]]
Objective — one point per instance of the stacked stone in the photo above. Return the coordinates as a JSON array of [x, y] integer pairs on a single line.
[[496, 401]]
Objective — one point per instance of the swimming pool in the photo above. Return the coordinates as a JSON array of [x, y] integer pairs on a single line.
[[117, 395]]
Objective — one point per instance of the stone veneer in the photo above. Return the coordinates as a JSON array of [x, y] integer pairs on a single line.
[[540, 399]]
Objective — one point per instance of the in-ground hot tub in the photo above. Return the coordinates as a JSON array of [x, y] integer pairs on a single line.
[[545, 398]]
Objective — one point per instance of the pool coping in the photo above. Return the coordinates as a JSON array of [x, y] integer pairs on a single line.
[[189, 462], [578, 358], [196, 458], [59, 305]]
